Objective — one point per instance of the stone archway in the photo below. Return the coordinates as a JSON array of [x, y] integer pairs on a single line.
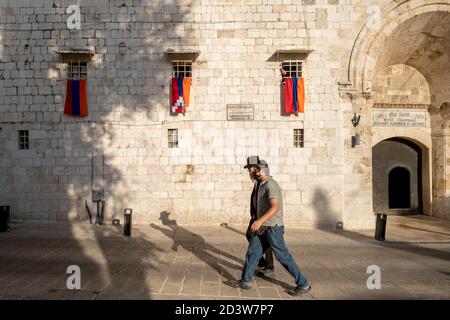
[[415, 53], [397, 177], [412, 32], [416, 37]]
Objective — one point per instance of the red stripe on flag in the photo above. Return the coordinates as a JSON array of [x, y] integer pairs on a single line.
[[68, 104], [175, 93], [288, 95]]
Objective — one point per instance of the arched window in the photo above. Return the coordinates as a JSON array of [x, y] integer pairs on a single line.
[[399, 188]]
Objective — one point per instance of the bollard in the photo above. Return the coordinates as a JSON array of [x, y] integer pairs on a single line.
[[380, 227], [127, 224], [5, 215]]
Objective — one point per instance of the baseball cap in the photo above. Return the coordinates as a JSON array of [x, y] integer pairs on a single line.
[[251, 161], [255, 160]]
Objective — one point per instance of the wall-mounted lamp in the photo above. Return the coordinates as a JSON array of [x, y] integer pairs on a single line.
[[355, 120], [356, 139], [122, 48]]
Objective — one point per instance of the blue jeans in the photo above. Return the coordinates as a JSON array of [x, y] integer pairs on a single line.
[[275, 237]]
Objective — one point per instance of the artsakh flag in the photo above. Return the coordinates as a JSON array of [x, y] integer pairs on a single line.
[[294, 93], [181, 88], [76, 98]]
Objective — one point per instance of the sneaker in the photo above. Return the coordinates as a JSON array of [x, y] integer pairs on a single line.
[[238, 284], [264, 272], [298, 291]]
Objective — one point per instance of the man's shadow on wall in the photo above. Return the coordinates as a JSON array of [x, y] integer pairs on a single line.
[[200, 248]]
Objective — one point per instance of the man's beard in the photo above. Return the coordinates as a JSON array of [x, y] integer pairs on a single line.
[[256, 177]]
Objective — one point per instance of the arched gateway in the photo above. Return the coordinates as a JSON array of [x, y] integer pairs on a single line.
[[397, 177]]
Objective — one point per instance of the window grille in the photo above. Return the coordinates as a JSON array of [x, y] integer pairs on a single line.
[[24, 140], [173, 138], [182, 68], [77, 71], [298, 138], [292, 68]]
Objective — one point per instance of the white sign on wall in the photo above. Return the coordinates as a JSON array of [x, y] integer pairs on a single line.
[[236, 112], [405, 118]]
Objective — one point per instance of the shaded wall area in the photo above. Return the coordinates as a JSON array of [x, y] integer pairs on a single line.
[[401, 84], [69, 157], [422, 42]]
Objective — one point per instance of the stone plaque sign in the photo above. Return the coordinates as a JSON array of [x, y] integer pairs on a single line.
[[240, 112], [406, 118]]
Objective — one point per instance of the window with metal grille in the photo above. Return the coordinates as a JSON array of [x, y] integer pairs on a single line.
[[77, 71], [181, 68], [291, 68], [298, 138], [24, 141], [173, 138]]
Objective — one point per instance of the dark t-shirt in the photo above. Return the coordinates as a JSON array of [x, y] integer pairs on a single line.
[[254, 200]]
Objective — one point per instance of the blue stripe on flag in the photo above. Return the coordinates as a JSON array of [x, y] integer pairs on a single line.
[[180, 86], [295, 93], [76, 97], [180, 93]]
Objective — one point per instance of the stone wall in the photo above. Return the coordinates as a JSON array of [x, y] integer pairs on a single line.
[[122, 148], [401, 84]]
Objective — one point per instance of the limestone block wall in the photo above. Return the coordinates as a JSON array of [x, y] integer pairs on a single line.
[[122, 147], [401, 84], [440, 140], [358, 164]]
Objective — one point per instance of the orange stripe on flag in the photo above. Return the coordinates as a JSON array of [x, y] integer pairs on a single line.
[[83, 99], [301, 94], [186, 90]]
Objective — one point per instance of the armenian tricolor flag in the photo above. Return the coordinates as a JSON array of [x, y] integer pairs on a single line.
[[294, 93], [181, 88], [76, 98]]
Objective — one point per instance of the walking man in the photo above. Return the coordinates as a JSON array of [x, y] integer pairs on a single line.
[[265, 264], [268, 228]]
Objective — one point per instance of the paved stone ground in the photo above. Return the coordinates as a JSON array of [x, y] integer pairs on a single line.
[[173, 262]]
